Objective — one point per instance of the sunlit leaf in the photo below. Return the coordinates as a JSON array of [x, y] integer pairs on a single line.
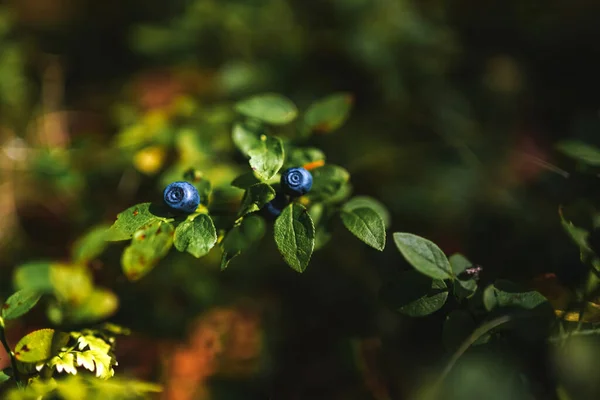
[[20, 303], [40, 345], [271, 108], [424, 255]]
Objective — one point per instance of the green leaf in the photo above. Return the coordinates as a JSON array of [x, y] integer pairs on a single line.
[[507, 294], [295, 236], [462, 288], [20, 303], [4, 377], [415, 295], [328, 114], [578, 235], [300, 156], [366, 224], [255, 198], [375, 205], [130, 221], [40, 345], [196, 236], [100, 304], [269, 107], [246, 137], [246, 180], [71, 284], [90, 245], [149, 245], [580, 151], [242, 237], [266, 159], [423, 255], [33, 276], [328, 181]]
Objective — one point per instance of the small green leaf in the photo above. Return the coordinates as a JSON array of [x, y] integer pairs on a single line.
[[328, 181], [271, 108], [71, 284], [462, 288], [149, 245], [415, 295], [246, 137], [328, 114], [295, 236], [90, 245], [255, 198], [578, 235], [241, 237], [507, 294], [130, 221], [246, 180], [424, 255], [4, 377], [40, 345], [580, 151], [266, 159], [20, 303], [367, 225], [196, 236], [366, 201]]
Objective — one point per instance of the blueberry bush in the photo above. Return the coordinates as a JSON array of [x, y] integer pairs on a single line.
[[333, 199]]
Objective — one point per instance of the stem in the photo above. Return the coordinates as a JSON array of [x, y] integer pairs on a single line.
[[477, 333], [13, 360]]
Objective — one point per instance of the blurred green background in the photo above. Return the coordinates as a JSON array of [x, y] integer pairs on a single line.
[[457, 109]]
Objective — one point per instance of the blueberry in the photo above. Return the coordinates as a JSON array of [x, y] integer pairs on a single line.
[[273, 208], [181, 196], [296, 181]]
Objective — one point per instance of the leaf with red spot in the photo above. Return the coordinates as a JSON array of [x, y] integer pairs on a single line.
[[20, 303], [149, 244], [130, 221], [40, 345]]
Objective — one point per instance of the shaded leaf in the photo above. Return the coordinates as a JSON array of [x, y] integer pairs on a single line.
[[328, 181], [4, 377], [242, 237], [463, 288], [266, 159], [295, 236], [246, 180], [424, 255], [149, 245], [506, 294], [20, 303], [580, 151], [33, 276], [40, 345], [269, 107], [375, 205], [196, 236], [301, 156], [329, 113], [415, 295], [90, 245], [367, 225], [255, 198]]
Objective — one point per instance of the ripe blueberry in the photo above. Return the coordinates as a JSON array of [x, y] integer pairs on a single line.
[[296, 181], [181, 196]]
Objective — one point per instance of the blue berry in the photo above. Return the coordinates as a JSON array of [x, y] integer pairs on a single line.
[[296, 182], [182, 196], [273, 208]]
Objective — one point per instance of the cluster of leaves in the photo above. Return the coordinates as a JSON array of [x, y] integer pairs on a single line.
[[303, 225], [44, 352]]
